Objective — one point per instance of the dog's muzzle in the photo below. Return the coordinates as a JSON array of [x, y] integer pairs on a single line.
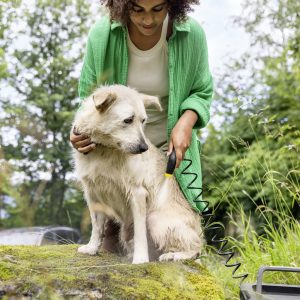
[[139, 148], [143, 147]]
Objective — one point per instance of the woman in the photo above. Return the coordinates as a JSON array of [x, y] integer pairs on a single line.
[[152, 46]]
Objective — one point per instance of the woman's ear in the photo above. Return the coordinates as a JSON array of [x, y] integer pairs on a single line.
[[151, 101]]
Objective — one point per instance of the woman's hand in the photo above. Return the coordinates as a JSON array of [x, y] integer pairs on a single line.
[[81, 142], [181, 135]]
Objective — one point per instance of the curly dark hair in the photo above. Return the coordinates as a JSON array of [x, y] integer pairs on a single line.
[[119, 9]]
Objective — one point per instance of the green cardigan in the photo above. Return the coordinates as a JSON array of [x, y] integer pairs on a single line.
[[190, 83]]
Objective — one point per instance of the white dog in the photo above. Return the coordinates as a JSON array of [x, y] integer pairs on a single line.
[[122, 177]]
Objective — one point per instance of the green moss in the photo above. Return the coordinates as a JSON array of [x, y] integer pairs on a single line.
[[5, 272], [60, 271], [205, 286]]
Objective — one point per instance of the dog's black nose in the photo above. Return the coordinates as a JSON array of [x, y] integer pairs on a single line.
[[143, 147]]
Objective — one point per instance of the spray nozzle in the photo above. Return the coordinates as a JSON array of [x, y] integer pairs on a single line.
[[171, 163]]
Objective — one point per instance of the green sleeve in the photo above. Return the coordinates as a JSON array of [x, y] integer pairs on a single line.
[[200, 97], [88, 78]]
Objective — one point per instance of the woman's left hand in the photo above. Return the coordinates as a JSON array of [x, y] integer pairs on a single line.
[[181, 135]]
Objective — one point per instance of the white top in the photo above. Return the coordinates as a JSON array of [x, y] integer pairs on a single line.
[[148, 74], [148, 70]]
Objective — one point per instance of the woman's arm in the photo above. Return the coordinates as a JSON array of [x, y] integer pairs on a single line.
[[194, 110], [181, 135], [87, 83]]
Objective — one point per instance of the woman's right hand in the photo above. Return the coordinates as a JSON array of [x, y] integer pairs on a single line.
[[81, 142]]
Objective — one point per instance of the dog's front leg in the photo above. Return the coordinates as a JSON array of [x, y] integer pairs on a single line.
[[98, 222], [138, 207]]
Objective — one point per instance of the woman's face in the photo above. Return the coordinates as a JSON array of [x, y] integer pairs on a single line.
[[147, 16]]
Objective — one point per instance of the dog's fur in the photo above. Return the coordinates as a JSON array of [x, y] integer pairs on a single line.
[[122, 178]]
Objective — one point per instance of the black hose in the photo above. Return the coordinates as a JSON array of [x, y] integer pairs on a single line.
[[207, 217]]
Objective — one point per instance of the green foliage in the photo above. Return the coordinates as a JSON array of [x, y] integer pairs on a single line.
[[252, 161], [248, 164], [43, 76], [257, 147], [6, 16]]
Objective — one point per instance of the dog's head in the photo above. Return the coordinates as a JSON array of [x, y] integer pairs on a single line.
[[114, 116]]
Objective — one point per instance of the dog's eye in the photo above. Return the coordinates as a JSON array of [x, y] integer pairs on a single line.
[[128, 120], [143, 121]]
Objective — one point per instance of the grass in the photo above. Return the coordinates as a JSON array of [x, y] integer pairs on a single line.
[[268, 236], [279, 246]]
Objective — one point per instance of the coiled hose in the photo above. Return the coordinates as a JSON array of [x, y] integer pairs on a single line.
[[207, 216]]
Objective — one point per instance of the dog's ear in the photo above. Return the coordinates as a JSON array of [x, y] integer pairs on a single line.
[[103, 101], [152, 101]]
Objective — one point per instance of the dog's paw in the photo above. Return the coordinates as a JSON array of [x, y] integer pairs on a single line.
[[175, 256], [140, 260], [88, 249]]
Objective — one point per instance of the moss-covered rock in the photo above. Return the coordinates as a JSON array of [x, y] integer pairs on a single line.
[[59, 272]]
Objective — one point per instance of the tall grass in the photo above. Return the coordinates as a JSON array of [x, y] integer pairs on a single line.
[[274, 242], [278, 246]]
